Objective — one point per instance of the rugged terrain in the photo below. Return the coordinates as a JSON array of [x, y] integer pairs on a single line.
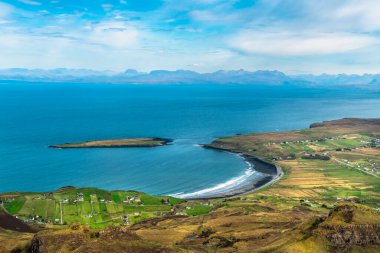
[[327, 201]]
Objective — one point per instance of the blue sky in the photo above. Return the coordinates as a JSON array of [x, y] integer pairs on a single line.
[[294, 36]]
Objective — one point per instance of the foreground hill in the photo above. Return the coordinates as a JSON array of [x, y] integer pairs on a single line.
[[327, 201], [347, 228]]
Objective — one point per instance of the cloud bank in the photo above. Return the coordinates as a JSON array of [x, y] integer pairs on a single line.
[[203, 35]]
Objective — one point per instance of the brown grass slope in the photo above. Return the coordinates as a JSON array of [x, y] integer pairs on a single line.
[[347, 228]]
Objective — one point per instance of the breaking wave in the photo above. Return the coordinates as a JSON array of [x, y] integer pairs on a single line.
[[228, 186]]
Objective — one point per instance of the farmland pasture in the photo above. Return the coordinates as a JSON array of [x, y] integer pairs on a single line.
[[98, 207]]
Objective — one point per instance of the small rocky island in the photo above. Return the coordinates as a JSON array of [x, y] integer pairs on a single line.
[[117, 143]]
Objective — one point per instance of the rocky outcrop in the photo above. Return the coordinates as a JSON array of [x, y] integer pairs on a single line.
[[345, 236], [317, 124], [36, 246], [350, 225]]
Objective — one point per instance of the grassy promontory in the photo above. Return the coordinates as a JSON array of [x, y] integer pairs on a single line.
[[327, 201], [117, 143], [330, 160]]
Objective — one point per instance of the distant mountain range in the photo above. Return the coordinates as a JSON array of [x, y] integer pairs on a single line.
[[130, 76]]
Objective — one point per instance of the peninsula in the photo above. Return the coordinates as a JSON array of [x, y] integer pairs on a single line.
[[117, 143]]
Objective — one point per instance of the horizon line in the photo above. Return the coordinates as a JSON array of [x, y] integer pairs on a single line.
[[115, 72]]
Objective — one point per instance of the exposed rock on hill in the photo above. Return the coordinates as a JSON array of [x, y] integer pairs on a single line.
[[349, 225]]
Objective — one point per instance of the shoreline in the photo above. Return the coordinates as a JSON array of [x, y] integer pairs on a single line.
[[271, 174], [247, 183], [258, 175]]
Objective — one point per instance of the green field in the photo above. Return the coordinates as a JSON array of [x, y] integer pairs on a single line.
[[95, 207]]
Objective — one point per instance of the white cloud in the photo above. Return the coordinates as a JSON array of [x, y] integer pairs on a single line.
[[29, 2], [338, 34], [207, 1], [297, 44], [113, 34], [204, 15], [363, 14], [10, 40], [5, 9], [107, 7]]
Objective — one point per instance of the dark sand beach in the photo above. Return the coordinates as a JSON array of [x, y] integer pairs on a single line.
[[259, 174]]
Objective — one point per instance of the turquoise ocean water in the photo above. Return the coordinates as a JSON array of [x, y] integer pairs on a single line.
[[34, 116]]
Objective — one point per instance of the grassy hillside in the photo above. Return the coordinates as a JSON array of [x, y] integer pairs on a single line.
[[95, 207]]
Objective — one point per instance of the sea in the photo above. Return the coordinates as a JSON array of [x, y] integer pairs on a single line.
[[36, 115]]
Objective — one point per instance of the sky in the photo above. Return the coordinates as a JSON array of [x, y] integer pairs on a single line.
[[293, 36]]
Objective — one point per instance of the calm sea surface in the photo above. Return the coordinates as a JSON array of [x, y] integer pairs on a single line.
[[34, 116]]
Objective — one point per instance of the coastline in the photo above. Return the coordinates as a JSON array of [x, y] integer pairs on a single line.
[[270, 174]]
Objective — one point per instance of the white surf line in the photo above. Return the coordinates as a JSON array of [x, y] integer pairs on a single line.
[[277, 178], [222, 187], [229, 185]]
